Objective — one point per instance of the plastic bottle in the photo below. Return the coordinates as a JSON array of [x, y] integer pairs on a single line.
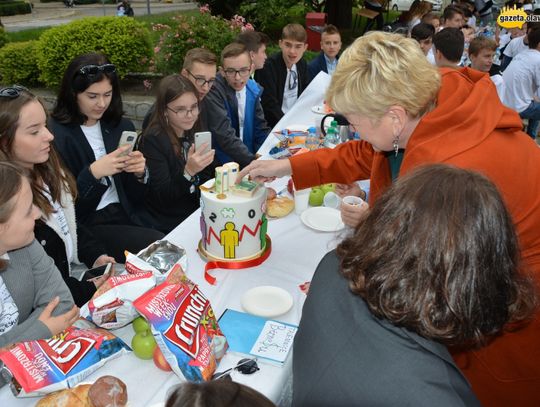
[[332, 138], [312, 139]]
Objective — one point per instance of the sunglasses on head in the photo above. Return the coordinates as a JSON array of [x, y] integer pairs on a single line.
[[244, 366], [12, 92], [95, 69]]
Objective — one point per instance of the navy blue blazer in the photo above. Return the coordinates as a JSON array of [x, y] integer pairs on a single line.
[[317, 65]]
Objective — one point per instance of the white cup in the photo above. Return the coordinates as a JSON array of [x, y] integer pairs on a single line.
[[332, 200], [301, 200], [353, 200]]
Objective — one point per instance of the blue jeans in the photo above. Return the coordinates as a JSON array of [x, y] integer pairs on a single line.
[[533, 114]]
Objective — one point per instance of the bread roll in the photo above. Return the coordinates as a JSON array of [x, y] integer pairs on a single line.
[[108, 391], [279, 207], [77, 396]]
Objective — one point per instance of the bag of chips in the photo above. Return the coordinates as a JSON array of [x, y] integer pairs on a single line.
[[184, 326], [47, 365]]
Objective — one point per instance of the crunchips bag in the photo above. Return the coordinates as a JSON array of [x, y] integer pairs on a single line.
[[184, 326]]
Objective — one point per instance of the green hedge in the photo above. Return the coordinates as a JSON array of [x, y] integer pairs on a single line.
[[19, 63], [124, 40], [3, 37], [11, 8]]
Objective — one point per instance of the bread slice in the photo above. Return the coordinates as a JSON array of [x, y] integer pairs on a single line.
[[75, 397]]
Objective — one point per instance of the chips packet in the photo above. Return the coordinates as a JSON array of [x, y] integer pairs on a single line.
[[184, 326], [111, 305], [47, 365]]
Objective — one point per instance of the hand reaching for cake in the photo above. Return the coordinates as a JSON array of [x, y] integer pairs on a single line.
[[198, 160], [265, 170]]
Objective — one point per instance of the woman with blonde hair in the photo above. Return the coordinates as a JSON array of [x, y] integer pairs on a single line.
[[418, 114]]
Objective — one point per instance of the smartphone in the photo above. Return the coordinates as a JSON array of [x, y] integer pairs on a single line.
[[202, 137], [96, 272], [128, 138]]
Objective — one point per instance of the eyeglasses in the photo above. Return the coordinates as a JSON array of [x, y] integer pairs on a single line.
[[244, 366], [293, 80], [12, 92], [92, 70], [202, 81], [243, 72], [184, 112]]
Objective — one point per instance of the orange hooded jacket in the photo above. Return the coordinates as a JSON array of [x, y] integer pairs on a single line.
[[470, 128]]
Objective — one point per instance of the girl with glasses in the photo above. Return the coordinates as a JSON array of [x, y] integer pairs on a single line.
[[25, 139], [168, 144], [87, 124], [35, 303]]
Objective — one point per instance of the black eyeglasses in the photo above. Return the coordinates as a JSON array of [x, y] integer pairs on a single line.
[[244, 366], [293, 80], [201, 81], [184, 112], [12, 92], [95, 69], [231, 72]]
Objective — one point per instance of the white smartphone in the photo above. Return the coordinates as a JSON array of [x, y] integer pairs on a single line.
[[202, 137], [128, 138]]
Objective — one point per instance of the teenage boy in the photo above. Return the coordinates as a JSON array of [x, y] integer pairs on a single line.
[[423, 34], [448, 45], [200, 67], [285, 74], [255, 42], [235, 115], [453, 16], [521, 80], [481, 53], [327, 60]]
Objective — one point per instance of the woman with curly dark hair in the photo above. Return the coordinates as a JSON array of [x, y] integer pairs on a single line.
[[434, 264]]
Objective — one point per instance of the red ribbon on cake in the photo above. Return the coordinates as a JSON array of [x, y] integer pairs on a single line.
[[236, 265]]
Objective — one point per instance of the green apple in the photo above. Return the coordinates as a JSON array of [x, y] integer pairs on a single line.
[[140, 325], [316, 196], [328, 188], [143, 345]]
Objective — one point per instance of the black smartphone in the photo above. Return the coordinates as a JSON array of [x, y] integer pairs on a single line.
[[96, 272]]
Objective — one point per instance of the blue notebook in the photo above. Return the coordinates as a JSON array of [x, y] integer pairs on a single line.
[[257, 336]]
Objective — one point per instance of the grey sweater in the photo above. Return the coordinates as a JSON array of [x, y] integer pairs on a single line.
[[33, 281]]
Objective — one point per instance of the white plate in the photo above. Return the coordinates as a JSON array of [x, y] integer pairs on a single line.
[[267, 301], [323, 219], [318, 109]]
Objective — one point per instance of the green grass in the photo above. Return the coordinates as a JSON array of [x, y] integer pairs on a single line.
[[148, 20]]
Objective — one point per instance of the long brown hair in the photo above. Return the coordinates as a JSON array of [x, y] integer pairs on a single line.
[[52, 172], [170, 88], [438, 254]]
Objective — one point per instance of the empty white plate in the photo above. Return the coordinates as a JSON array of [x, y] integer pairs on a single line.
[[267, 301], [323, 219]]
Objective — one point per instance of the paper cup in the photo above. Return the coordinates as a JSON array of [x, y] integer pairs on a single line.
[[353, 200], [301, 200], [332, 200]]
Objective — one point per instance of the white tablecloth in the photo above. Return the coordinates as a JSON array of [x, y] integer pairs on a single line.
[[296, 251]]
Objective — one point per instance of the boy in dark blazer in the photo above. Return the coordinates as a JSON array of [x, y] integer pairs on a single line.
[[327, 60], [285, 74]]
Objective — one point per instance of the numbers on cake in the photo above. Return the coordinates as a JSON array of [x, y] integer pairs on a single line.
[[251, 213], [213, 217]]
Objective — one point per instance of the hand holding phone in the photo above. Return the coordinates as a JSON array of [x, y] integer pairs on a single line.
[[128, 138], [97, 272]]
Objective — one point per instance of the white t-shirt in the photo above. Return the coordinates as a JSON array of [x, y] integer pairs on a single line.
[[9, 313], [290, 93], [95, 139], [61, 220], [498, 81], [431, 57], [515, 46], [241, 98], [522, 80]]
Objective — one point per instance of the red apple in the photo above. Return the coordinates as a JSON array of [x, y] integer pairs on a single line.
[[160, 361], [143, 345]]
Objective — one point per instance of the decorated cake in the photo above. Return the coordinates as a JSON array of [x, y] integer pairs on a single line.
[[233, 220]]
